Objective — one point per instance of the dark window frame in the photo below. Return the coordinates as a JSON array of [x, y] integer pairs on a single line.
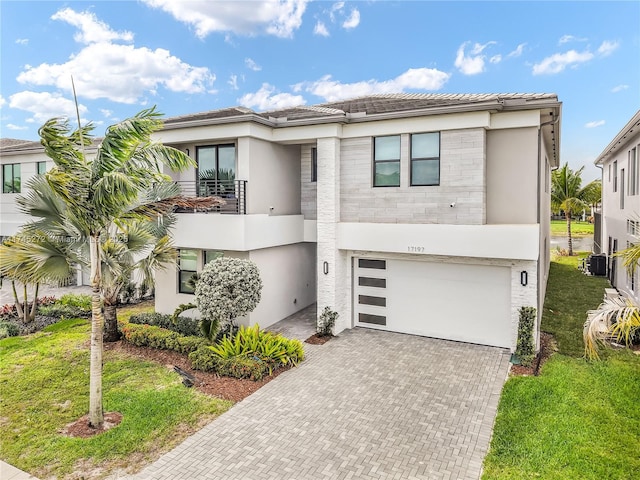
[[219, 254], [314, 164], [181, 271], [216, 146], [376, 162], [38, 168], [9, 185], [615, 176], [423, 159]]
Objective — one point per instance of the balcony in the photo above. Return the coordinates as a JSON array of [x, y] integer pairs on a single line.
[[233, 192]]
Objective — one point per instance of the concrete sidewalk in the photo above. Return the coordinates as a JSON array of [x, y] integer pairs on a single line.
[[9, 472]]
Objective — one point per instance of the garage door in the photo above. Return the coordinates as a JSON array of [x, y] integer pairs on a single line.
[[468, 303]]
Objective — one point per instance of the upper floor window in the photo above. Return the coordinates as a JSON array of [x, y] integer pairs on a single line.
[[425, 159], [41, 168], [216, 169], [615, 176], [633, 172], [11, 178], [187, 270], [386, 161], [314, 164]]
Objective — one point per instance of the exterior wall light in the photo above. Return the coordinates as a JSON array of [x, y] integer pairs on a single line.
[[325, 267], [524, 278]]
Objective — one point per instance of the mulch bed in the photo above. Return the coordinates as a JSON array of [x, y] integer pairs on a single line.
[[318, 339], [547, 348], [81, 428], [234, 389]]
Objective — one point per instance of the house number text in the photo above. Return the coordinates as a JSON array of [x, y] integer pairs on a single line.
[[415, 249]]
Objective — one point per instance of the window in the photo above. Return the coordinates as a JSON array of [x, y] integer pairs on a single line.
[[615, 176], [386, 161], [11, 178], [216, 169], [187, 269], [622, 189], [314, 164], [211, 255], [633, 172], [41, 168], [425, 159]]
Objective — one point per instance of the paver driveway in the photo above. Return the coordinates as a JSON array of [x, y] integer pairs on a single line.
[[366, 405]]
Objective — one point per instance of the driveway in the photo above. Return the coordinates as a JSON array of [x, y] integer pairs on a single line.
[[366, 405]]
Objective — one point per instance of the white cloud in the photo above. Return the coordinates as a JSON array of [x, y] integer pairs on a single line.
[[22, 41], [335, 8], [11, 126], [275, 17], [91, 30], [570, 38], [518, 51], [233, 81], [2, 101], [121, 73], [251, 65], [616, 89], [267, 99], [557, 62], [472, 63], [45, 105], [607, 48], [595, 124], [353, 21], [495, 59], [106, 113], [321, 29], [413, 79]]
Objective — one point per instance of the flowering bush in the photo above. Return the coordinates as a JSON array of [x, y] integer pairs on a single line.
[[228, 288]]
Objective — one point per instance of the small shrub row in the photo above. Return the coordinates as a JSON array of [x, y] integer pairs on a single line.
[[82, 300], [206, 360], [8, 329], [59, 310], [183, 325], [9, 309], [160, 338]]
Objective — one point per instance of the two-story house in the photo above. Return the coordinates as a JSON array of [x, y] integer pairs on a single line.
[[417, 213], [620, 224], [424, 214]]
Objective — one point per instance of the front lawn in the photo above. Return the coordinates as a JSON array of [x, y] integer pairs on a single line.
[[578, 419], [559, 227], [44, 386]]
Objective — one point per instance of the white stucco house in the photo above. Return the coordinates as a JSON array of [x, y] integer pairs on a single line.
[[424, 214], [620, 216]]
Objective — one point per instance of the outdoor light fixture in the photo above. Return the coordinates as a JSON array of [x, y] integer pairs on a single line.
[[325, 267], [523, 278]]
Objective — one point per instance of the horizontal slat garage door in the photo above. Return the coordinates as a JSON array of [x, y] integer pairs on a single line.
[[469, 303]]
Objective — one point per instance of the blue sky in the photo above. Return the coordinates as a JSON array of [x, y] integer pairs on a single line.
[[191, 56]]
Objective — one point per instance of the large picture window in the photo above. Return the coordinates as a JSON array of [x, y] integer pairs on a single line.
[[386, 161], [425, 159], [216, 169], [187, 269], [11, 178]]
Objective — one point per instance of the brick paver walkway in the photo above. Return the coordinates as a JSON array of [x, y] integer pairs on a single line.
[[366, 405]]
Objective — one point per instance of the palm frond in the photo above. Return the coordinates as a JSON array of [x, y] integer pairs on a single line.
[[615, 317]]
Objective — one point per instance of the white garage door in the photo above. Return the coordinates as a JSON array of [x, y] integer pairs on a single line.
[[468, 303]]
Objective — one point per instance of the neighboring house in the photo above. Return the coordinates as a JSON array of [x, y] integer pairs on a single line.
[[416, 213], [620, 213]]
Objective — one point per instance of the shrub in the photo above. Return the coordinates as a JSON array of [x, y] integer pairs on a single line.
[[227, 288], [160, 338], [326, 322], [206, 360], [8, 329], [82, 300], [525, 346], [182, 325], [59, 310]]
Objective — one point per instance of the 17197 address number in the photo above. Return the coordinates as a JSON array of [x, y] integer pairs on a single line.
[[415, 249]]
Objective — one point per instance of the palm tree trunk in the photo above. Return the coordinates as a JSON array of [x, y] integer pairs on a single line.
[[34, 306], [96, 414], [567, 215], [16, 300], [25, 305], [111, 333]]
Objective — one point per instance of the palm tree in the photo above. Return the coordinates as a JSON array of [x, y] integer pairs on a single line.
[[568, 195], [106, 189]]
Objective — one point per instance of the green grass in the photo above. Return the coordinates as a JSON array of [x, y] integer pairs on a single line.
[[578, 419], [44, 384], [559, 227]]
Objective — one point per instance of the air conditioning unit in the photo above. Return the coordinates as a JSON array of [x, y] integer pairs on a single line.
[[598, 264]]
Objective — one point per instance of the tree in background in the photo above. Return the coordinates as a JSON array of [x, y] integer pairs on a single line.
[[568, 195]]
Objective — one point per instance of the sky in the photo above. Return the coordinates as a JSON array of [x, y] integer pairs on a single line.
[[188, 56]]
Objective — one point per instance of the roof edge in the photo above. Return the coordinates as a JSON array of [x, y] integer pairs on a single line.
[[617, 140]]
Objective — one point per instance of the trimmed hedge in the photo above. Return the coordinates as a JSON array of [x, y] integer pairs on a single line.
[[160, 338], [183, 325], [68, 311], [237, 367]]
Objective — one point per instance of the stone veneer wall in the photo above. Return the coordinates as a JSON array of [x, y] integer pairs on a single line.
[[462, 180]]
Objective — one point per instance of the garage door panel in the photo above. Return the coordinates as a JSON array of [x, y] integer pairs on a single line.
[[462, 302]]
